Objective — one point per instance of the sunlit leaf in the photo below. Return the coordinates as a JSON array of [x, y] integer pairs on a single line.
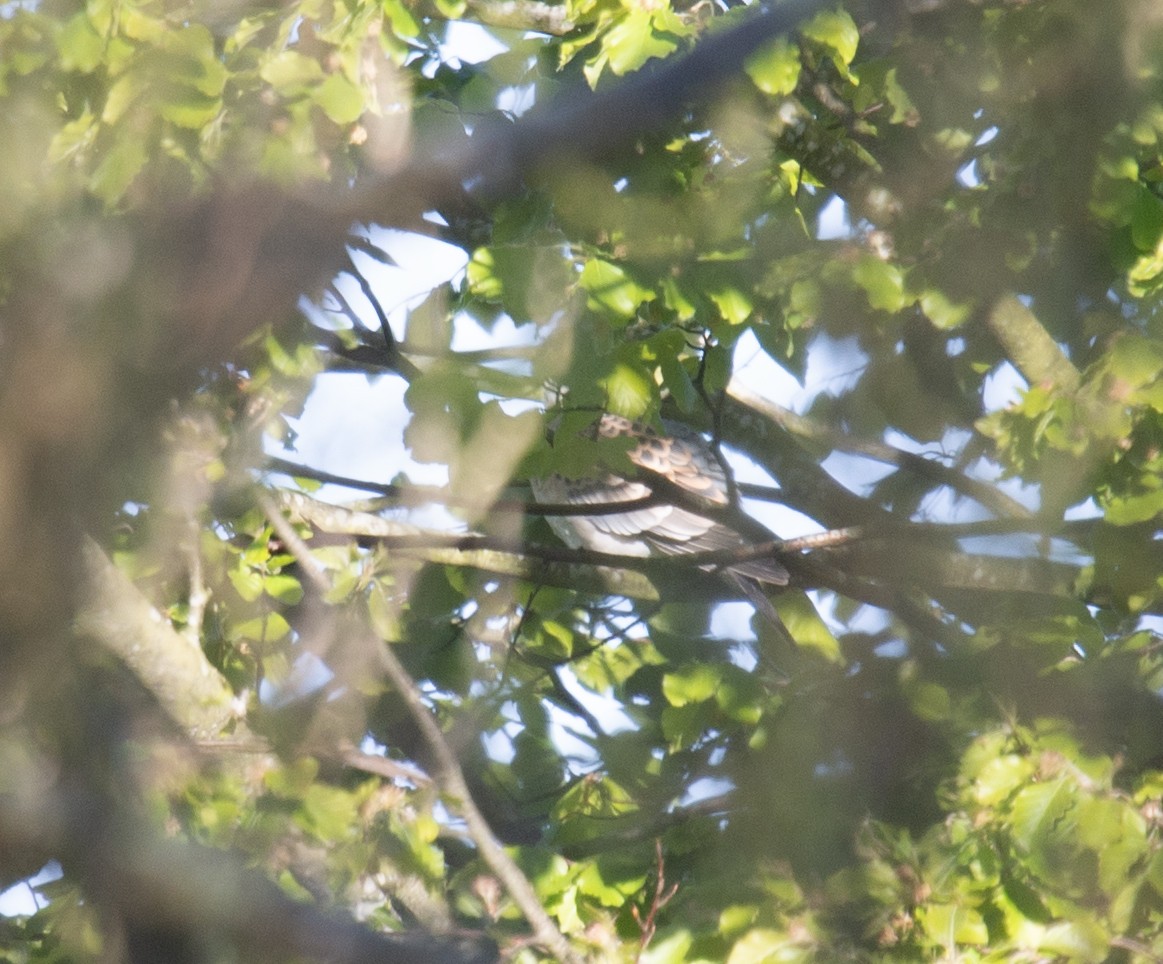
[[611, 290], [775, 69]]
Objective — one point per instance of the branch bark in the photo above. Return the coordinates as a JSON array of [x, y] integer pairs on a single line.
[[191, 691], [450, 776], [1029, 346]]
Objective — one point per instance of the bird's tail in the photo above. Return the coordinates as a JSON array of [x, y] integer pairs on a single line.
[[767, 610]]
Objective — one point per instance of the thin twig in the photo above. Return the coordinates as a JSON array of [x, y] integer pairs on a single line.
[[449, 776], [381, 766], [345, 307], [293, 542], [1137, 947], [661, 897]]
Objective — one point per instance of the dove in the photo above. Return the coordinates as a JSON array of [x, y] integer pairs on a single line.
[[679, 461]]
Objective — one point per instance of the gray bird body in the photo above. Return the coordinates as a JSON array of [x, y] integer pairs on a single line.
[[681, 460]]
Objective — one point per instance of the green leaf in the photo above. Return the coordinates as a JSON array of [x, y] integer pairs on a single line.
[[685, 725], [268, 628], [775, 68], [691, 684], [941, 311], [1045, 824], [760, 945], [73, 138], [635, 39], [950, 924], [610, 880], [882, 282], [611, 290], [189, 109], [122, 94], [293, 779], [806, 627], [81, 47], [528, 280], [192, 61], [384, 612], [120, 167], [1117, 833], [247, 583], [401, 19], [667, 948], [554, 640], [1146, 220], [736, 918], [740, 695], [1001, 777], [678, 383], [836, 30], [290, 72], [1133, 509], [734, 305], [284, 588], [629, 390], [340, 99], [677, 300], [1080, 939], [930, 701]]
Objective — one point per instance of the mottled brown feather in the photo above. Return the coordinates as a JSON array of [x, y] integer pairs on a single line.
[[684, 459]]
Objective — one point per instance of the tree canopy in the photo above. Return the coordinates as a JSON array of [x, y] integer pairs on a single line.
[[252, 708]]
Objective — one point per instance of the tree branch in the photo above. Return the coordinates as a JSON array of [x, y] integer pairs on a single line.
[[452, 782], [451, 779], [194, 694], [1028, 345], [813, 431]]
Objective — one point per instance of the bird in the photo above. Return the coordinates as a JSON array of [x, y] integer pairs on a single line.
[[667, 465]]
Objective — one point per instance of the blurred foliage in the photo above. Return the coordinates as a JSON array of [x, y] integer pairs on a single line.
[[976, 777]]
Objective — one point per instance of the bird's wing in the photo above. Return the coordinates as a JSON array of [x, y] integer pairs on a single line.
[[685, 460]]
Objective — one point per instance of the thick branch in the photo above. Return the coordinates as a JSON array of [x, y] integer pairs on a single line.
[[893, 553], [548, 18], [453, 783], [1028, 345], [813, 431], [194, 694]]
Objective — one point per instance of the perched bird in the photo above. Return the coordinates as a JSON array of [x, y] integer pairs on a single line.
[[667, 466]]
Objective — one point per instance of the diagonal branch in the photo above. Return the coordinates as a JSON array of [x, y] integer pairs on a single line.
[[452, 782], [1029, 346], [174, 668], [813, 431], [449, 774]]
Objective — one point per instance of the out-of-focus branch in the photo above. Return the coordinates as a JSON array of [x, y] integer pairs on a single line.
[[809, 488], [185, 889], [221, 267], [911, 562], [548, 18], [1028, 345], [815, 432], [450, 777], [453, 783], [175, 670]]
